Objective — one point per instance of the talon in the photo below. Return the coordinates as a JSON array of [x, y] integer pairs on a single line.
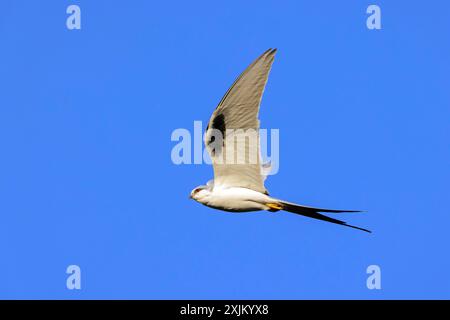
[[274, 206]]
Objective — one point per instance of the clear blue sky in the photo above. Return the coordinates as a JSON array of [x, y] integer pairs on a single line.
[[86, 176]]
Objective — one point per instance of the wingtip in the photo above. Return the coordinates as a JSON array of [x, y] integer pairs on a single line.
[[270, 51]]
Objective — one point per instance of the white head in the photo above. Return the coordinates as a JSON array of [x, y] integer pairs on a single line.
[[200, 193]]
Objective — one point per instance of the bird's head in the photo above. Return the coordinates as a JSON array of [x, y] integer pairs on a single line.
[[199, 193]]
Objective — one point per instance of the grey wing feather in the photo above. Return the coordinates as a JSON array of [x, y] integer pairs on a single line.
[[239, 109]]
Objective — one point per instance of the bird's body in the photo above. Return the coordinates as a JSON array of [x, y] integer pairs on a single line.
[[234, 199], [239, 175]]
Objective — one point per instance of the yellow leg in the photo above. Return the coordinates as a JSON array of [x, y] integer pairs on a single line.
[[274, 206]]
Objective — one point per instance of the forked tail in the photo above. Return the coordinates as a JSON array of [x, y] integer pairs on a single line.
[[312, 212]]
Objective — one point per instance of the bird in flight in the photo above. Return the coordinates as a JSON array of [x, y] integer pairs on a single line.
[[238, 184]]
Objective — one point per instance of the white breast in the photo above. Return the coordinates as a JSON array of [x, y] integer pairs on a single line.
[[237, 199]]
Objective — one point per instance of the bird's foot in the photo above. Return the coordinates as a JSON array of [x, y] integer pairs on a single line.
[[274, 206]]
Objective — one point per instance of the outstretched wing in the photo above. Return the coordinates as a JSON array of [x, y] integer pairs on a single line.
[[232, 135]]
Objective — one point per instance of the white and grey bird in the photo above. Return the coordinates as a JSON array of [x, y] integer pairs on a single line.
[[239, 186]]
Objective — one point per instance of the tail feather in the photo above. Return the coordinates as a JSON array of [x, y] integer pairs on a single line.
[[312, 212]]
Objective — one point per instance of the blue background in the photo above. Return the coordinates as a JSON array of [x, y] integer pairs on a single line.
[[86, 176]]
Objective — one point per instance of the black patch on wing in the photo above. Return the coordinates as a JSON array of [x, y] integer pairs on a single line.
[[218, 123]]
